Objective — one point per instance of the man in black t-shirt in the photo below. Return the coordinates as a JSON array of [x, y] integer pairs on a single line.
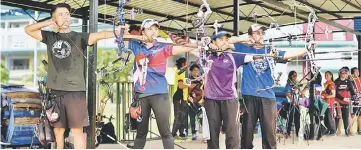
[[65, 49]]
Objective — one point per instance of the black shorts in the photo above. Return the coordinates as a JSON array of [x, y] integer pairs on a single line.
[[73, 109]]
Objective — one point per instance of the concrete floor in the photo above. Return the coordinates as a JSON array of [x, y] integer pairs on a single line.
[[336, 142]]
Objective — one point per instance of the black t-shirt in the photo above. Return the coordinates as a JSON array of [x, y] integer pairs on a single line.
[[344, 89], [66, 59]]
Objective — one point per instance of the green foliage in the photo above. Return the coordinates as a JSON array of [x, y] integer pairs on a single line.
[[4, 73], [41, 68], [103, 59], [107, 56]]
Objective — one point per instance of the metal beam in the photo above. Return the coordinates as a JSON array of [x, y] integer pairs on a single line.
[[154, 13], [197, 5], [290, 14], [38, 6], [108, 20], [235, 17], [219, 11], [318, 8], [217, 8], [321, 19], [352, 4], [250, 3], [92, 59], [85, 30], [359, 47], [100, 2], [277, 10]]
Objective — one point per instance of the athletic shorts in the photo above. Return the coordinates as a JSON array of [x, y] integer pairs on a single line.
[[73, 109]]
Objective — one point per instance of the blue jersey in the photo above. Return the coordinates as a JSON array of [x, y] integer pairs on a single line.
[[257, 75]]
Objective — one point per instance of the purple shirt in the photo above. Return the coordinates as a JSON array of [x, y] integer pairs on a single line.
[[221, 79]]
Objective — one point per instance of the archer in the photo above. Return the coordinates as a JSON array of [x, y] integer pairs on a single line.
[[65, 49], [221, 98], [151, 86], [261, 104]]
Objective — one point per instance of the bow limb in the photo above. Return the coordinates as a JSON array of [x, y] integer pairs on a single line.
[[310, 46]]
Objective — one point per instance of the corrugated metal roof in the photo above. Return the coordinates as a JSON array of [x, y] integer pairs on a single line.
[[174, 14]]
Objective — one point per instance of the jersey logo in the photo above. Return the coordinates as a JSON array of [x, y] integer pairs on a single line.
[[61, 49], [225, 60], [260, 66]]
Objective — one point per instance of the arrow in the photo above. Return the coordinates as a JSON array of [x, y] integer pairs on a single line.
[[344, 58]]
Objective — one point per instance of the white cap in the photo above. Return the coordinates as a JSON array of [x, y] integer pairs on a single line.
[[256, 27], [147, 23]]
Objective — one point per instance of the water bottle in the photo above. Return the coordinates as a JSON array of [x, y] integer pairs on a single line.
[[197, 123]]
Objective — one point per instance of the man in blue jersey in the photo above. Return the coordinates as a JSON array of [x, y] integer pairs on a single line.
[[259, 99]]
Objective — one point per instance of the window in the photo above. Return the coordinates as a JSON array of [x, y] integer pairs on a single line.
[[74, 21], [3, 25], [339, 36], [347, 54], [20, 64], [18, 24], [17, 41], [355, 55]]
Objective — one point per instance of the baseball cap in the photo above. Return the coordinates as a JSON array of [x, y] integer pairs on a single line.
[[148, 23], [220, 34], [256, 27]]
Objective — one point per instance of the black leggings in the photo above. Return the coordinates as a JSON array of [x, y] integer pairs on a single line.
[[345, 109], [180, 115], [294, 117], [192, 111], [160, 105]]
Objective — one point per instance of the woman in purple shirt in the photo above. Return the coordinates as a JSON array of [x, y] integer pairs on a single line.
[[221, 99]]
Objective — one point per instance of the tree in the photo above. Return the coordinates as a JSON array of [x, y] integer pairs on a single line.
[[4, 73], [103, 59], [106, 56]]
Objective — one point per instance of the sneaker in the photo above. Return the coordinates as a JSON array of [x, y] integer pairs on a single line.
[[332, 134], [180, 139], [194, 137], [338, 132]]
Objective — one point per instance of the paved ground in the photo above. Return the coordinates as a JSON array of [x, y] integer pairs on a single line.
[[337, 142]]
